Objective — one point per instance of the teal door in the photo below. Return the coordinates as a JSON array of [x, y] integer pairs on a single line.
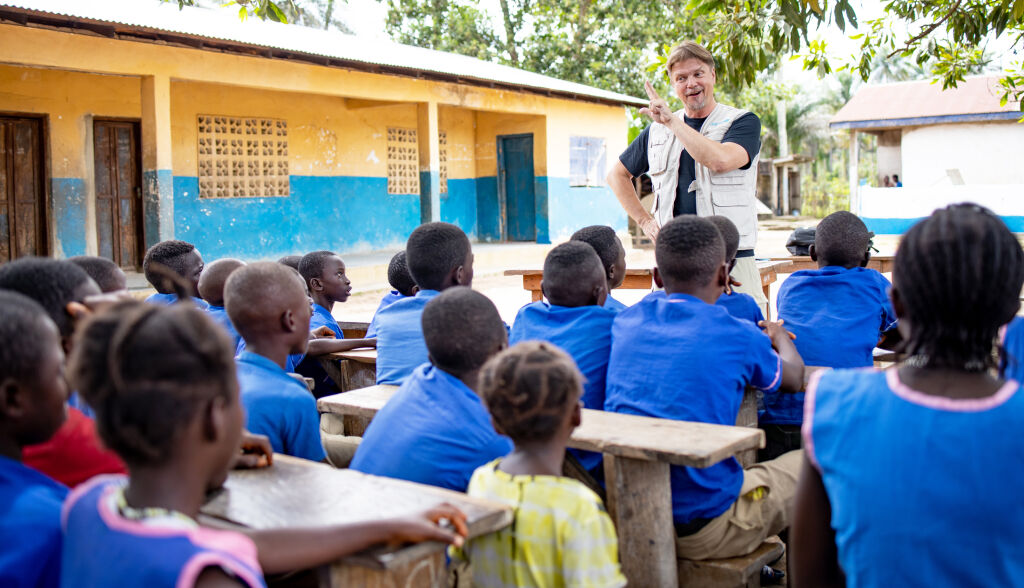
[[515, 187]]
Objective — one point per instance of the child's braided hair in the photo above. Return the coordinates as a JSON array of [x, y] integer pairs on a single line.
[[146, 370], [528, 389]]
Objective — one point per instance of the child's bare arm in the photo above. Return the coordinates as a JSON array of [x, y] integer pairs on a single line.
[[792, 363], [812, 558], [328, 345], [285, 550], [214, 577]]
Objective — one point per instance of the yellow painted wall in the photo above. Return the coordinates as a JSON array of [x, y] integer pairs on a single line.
[[460, 124], [567, 119], [71, 100], [489, 125]]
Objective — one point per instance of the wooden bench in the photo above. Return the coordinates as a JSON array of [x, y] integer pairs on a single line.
[[732, 572], [641, 279], [300, 493], [881, 263], [637, 454]]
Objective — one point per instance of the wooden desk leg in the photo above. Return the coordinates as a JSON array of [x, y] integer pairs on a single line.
[[640, 504], [747, 417], [536, 295], [428, 571], [766, 287]]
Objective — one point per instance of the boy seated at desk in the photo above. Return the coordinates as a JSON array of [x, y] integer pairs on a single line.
[[274, 324], [104, 272], [561, 534], [676, 355], [435, 430], [740, 305], [402, 282], [211, 289], [324, 275], [613, 257], [439, 257], [575, 285], [177, 257], [838, 312]]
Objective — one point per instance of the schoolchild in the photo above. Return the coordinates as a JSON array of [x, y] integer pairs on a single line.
[[291, 261], [911, 473], [561, 534], [613, 256], [211, 290], [677, 355], [439, 257], [104, 272], [402, 282], [32, 408], [274, 325], [164, 385], [838, 313], [573, 318], [436, 430], [739, 305], [180, 258]]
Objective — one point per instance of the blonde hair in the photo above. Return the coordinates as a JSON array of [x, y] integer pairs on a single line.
[[690, 50]]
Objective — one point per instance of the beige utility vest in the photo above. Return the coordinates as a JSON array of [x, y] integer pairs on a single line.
[[729, 194]]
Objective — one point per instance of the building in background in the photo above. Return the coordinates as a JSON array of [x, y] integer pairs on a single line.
[[126, 123], [946, 146]]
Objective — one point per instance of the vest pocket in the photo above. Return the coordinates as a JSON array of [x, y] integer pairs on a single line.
[[657, 153], [732, 198]]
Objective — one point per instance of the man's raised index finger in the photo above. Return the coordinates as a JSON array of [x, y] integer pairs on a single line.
[[651, 92]]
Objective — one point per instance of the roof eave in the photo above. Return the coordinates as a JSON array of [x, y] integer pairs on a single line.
[[887, 124]]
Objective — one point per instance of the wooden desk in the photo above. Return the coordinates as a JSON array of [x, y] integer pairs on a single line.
[[300, 493], [881, 263], [351, 370], [637, 454]]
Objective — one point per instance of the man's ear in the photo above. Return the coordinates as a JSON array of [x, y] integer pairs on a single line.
[[657, 278], [813, 252]]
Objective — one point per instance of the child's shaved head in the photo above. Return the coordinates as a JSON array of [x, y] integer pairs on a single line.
[[291, 261], [434, 251], [104, 272], [689, 250], [730, 235], [572, 271], [462, 329], [180, 257], [213, 278], [257, 294], [841, 239], [51, 283], [399, 276]]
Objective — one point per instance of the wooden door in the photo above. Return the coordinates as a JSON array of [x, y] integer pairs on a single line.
[[22, 191], [515, 184], [118, 192]]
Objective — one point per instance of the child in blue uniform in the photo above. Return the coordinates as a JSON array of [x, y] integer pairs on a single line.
[[436, 430], [677, 355], [740, 305], [575, 285], [104, 272], [211, 289], [274, 324], [1013, 346], [439, 257], [911, 477], [164, 385], [324, 275], [837, 312], [32, 410], [180, 258], [402, 282], [613, 256]]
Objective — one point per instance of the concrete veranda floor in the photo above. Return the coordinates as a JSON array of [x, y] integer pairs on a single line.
[[368, 271]]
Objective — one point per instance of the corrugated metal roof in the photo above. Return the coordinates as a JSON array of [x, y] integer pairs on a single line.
[[922, 102], [224, 25]]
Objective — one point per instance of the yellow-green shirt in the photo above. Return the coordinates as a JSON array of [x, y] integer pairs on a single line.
[[560, 535]]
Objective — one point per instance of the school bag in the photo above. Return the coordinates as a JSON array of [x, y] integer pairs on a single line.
[[800, 241]]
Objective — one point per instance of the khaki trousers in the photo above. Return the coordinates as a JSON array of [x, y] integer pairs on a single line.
[[762, 510], [745, 272]]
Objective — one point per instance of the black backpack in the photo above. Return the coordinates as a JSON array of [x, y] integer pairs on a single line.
[[800, 241]]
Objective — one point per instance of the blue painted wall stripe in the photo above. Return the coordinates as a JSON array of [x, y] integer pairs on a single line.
[[899, 226], [458, 205], [68, 206]]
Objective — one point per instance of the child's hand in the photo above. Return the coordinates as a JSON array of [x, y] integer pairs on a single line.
[[443, 523], [256, 452], [324, 332], [775, 329]]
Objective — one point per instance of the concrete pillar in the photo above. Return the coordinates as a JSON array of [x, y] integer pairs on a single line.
[[854, 179], [157, 189], [785, 189], [430, 161]]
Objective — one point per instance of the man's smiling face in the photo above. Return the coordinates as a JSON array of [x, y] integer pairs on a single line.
[[694, 84]]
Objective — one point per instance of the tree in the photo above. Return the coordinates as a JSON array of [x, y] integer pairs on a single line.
[[445, 25]]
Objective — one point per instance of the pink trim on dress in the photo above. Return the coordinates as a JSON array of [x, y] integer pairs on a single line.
[[81, 490], [807, 429], [907, 393], [201, 561]]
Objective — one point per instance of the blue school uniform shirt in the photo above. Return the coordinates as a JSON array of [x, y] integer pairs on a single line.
[[220, 316], [924, 491], [585, 333], [1013, 344], [613, 304], [169, 299], [322, 317], [280, 407], [742, 306], [434, 430], [676, 357], [388, 299], [104, 548], [30, 535], [837, 315], [290, 365], [399, 332]]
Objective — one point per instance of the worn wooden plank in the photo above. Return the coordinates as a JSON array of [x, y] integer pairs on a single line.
[[364, 402], [747, 417], [640, 504], [881, 263], [360, 355], [353, 330]]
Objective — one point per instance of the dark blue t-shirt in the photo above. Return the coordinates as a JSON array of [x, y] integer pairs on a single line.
[[434, 430], [677, 357], [745, 132], [30, 535]]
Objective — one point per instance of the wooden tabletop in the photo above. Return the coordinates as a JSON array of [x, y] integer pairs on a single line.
[[675, 442], [881, 263], [300, 493], [360, 355]]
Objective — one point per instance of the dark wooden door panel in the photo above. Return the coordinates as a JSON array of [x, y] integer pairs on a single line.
[[23, 222], [118, 182]]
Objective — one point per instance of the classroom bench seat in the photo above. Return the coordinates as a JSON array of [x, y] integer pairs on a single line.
[[733, 572]]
